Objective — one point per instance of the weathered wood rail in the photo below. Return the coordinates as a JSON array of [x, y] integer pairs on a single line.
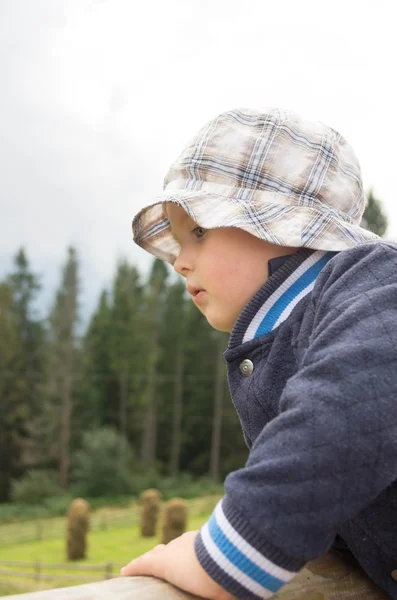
[[122, 588]]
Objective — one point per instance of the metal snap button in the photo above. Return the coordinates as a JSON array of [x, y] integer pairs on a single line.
[[246, 367]]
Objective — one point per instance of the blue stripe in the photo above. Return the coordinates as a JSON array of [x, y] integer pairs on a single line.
[[290, 294], [239, 560], [236, 588], [157, 227]]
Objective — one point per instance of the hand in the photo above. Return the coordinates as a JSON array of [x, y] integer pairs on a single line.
[[177, 563]]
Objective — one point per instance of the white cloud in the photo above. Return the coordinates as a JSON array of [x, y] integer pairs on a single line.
[[99, 98]]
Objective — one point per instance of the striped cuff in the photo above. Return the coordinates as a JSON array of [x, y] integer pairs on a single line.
[[238, 559]]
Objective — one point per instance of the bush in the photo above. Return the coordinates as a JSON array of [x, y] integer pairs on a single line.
[[186, 486], [34, 487], [58, 505], [141, 481], [183, 485], [103, 465], [21, 512]]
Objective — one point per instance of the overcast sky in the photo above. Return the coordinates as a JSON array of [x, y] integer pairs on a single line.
[[98, 98]]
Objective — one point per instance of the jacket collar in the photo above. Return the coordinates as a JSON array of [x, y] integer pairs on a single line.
[[275, 300]]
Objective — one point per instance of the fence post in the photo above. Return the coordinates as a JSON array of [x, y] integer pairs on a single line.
[[38, 570], [109, 571]]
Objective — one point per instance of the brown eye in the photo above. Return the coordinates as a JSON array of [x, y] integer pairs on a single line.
[[199, 231]]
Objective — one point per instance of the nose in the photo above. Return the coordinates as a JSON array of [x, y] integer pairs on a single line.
[[183, 263]]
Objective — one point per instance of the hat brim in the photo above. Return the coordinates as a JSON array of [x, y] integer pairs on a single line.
[[275, 218]]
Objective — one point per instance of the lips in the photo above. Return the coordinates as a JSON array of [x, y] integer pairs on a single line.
[[193, 291]]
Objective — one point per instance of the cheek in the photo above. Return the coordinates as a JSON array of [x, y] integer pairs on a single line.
[[223, 273], [236, 273], [231, 280], [243, 279]]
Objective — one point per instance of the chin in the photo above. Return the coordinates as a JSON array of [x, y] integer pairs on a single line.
[[219, 324]]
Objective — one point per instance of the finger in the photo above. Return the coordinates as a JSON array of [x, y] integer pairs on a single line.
[[150, 563], [125, 570]]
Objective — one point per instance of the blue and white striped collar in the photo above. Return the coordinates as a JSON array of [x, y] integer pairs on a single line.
[[274, 302]]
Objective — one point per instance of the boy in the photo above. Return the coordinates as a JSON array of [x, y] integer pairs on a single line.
[[260, 214]]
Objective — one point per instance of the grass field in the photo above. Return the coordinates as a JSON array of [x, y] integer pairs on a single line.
[[117, 546], [6, 589]]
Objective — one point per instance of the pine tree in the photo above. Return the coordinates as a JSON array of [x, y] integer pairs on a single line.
[[24, 286], [12, 393], [219, 392], [99, 383], [201, 359], [171, 377], [374, 219], [63, 357], [152, 318], [125, 343], [178, 304]]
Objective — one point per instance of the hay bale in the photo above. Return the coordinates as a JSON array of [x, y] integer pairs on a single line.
[[174, 519], [150, 501], [78, 523]]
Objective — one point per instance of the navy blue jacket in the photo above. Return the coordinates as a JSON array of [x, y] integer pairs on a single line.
[[312, 369]]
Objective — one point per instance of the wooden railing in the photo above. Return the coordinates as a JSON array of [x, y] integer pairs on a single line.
[[122, 588]]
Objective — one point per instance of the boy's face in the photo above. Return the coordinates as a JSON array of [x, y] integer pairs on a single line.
[[223, 267]]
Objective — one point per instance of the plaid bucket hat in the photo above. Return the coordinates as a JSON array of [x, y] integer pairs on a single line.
[[284, 179]]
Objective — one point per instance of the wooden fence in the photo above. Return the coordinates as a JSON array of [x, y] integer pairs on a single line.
[[52, 528], [37, 571], [113, 587], [44, 529]]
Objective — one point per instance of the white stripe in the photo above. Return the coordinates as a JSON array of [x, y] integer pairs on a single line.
[[256, 321], [249, 551], [224, 563], [288, 310]]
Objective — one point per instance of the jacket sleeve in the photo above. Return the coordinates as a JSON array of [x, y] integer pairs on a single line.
[[332, 448]]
